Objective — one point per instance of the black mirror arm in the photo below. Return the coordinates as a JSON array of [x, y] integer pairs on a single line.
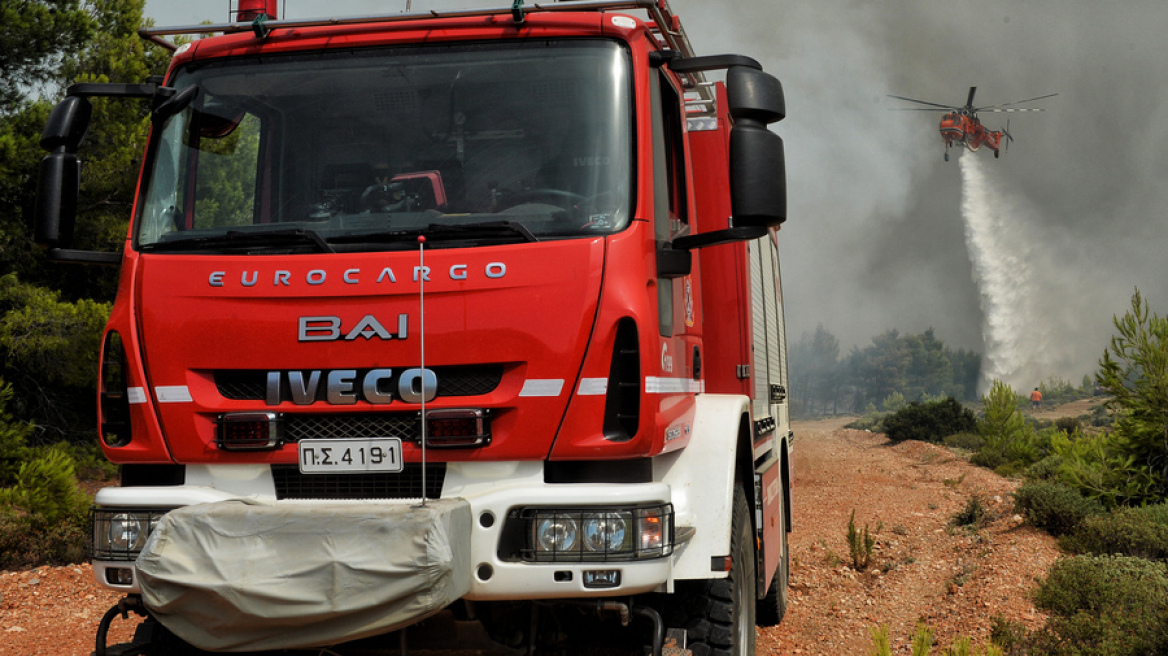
[[719, 237]]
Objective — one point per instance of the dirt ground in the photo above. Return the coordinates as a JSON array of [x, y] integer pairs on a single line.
[[922, 569]]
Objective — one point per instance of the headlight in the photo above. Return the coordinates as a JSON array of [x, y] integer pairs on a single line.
[[607, 532], [557, 533], [119, 534], [126, 532], [588, 534]]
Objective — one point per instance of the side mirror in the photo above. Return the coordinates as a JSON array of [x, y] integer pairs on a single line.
[[67, 124], [758, 171], [60, 174], [56, 201]]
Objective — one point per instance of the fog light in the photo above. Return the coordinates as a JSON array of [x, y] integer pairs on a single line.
[[556, 533], [602, 578], [119, 576]]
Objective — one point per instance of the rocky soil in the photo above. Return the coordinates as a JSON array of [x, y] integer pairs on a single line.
[[922, 569]]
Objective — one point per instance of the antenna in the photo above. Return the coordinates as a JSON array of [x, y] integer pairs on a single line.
[[422, 339]]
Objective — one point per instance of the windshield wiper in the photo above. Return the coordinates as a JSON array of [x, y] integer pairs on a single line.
[[442, 231], [245, 239]]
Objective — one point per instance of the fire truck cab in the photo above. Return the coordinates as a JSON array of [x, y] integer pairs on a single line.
[[473, 312]]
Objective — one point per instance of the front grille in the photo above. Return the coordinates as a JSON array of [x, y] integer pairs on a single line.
[[407, 484], [457, 380], [332, 426]]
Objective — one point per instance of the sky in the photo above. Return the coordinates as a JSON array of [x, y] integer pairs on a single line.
[[879, 234]]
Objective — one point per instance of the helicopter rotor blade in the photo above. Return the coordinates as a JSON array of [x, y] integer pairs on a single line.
[[924, 102], [1008, 110], [969, 101], [1016, 102]]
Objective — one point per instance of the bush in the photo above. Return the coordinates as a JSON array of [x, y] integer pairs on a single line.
[[50, 351], [1054, 507], [966, 441], [1011, 441], [1137, 532], [1104, 605], [1045, 469], [46, 486], [13, 439], [860, 544], [929, 422], [1068, 425], [975, 513], [1100, 466], [32, 540]]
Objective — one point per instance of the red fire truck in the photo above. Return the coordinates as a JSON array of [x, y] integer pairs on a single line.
[[464, 317]]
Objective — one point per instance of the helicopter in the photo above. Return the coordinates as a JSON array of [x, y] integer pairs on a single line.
[[960, 124]]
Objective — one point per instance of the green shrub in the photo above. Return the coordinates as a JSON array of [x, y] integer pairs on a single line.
[[860, 544], [1007, 634], [966, 441], [973, 514], [50, 350], [1100, 466], [1012, 442], [929, 422], [46, 486], [1100, 417], [1068, 425], [1054, 507], [1104, 606], [881, 645], [990, 457], [13, 439], [1045, 469], [32, 540], [1137, 532], [871, 421]]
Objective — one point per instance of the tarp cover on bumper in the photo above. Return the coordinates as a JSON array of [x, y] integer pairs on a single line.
[[242, 576]]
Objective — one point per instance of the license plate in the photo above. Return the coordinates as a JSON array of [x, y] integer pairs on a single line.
[[361, 454]]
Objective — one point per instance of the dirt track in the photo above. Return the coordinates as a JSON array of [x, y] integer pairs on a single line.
[[955, 580]]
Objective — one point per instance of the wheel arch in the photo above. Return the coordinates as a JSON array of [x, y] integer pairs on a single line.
[[702, 477]]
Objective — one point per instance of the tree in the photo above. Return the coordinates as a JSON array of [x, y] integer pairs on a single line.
[[105, 48], [34, 35], [814, 363], [1134, 368], [48, 351]]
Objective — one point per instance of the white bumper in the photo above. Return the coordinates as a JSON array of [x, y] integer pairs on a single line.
[[493, 490]]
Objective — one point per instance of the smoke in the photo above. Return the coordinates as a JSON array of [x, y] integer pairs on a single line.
[[1019, 281], [876, 237]]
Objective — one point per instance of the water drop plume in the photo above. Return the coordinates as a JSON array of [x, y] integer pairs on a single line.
[[1018, 281]]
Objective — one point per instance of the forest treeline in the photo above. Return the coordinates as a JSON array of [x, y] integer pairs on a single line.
[[917, 367], [51, 315]]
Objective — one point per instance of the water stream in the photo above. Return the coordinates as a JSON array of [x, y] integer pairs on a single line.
[[1010, 277]]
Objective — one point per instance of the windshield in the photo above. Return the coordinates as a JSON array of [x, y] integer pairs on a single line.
[[360, 150]]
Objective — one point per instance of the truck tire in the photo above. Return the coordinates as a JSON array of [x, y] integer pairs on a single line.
[[718, 614], [773, 606]]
